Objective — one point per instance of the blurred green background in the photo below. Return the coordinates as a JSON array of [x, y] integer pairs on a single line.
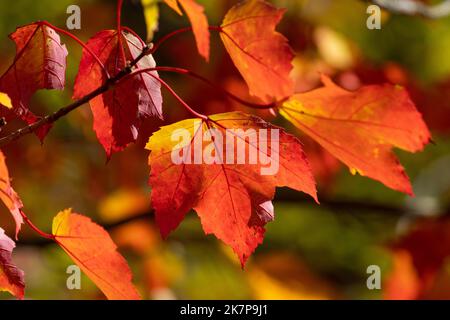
[[310, 251]]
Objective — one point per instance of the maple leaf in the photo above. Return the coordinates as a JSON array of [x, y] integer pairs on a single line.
[[262, 55], [118, 113], [8, 195], [5, 100], [233, 201], [151, 14], [360, 128], [199, 22], [92, 249], [11, 277], [40, 63]]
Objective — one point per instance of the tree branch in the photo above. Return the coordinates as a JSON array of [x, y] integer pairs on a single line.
[[64, 111], [110, 82], [413, 7]]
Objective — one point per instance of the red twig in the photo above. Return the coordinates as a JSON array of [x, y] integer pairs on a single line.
[[171, 91], [222, 90], [208, 82], [67, 109], [36, 229], [176, 96]]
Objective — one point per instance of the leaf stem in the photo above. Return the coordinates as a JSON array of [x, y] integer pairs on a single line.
[[210, 83], [36, 229], [65, 110], [168, 87], [222, 90], [176, 96]]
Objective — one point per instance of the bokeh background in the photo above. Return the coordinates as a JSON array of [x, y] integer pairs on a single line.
[[310, 251]]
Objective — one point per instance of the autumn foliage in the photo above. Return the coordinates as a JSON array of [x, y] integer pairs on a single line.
[[122, 83]]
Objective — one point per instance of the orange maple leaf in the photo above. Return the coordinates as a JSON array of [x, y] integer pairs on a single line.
[[199, 21], [360, 128], [92, 249], [262, 55], [232, 198]]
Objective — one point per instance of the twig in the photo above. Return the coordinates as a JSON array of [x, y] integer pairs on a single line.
[[171, 91], [222, 90], [111, 81], [64, 111]]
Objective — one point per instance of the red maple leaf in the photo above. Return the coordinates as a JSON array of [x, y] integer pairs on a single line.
[[232, 199], [40, 63], [118, 113]]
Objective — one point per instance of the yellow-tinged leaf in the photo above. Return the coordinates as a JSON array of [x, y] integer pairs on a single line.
[[151, 14], [361, 128], [92, 249], [232, 198], [5, 100], [199, 22]]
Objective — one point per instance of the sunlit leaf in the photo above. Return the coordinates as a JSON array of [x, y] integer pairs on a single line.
[[360, 128], [262, 55], [232, 200], [92, 249]]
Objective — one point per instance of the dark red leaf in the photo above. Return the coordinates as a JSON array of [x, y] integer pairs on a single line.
[[40, 63], [118, 113]]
